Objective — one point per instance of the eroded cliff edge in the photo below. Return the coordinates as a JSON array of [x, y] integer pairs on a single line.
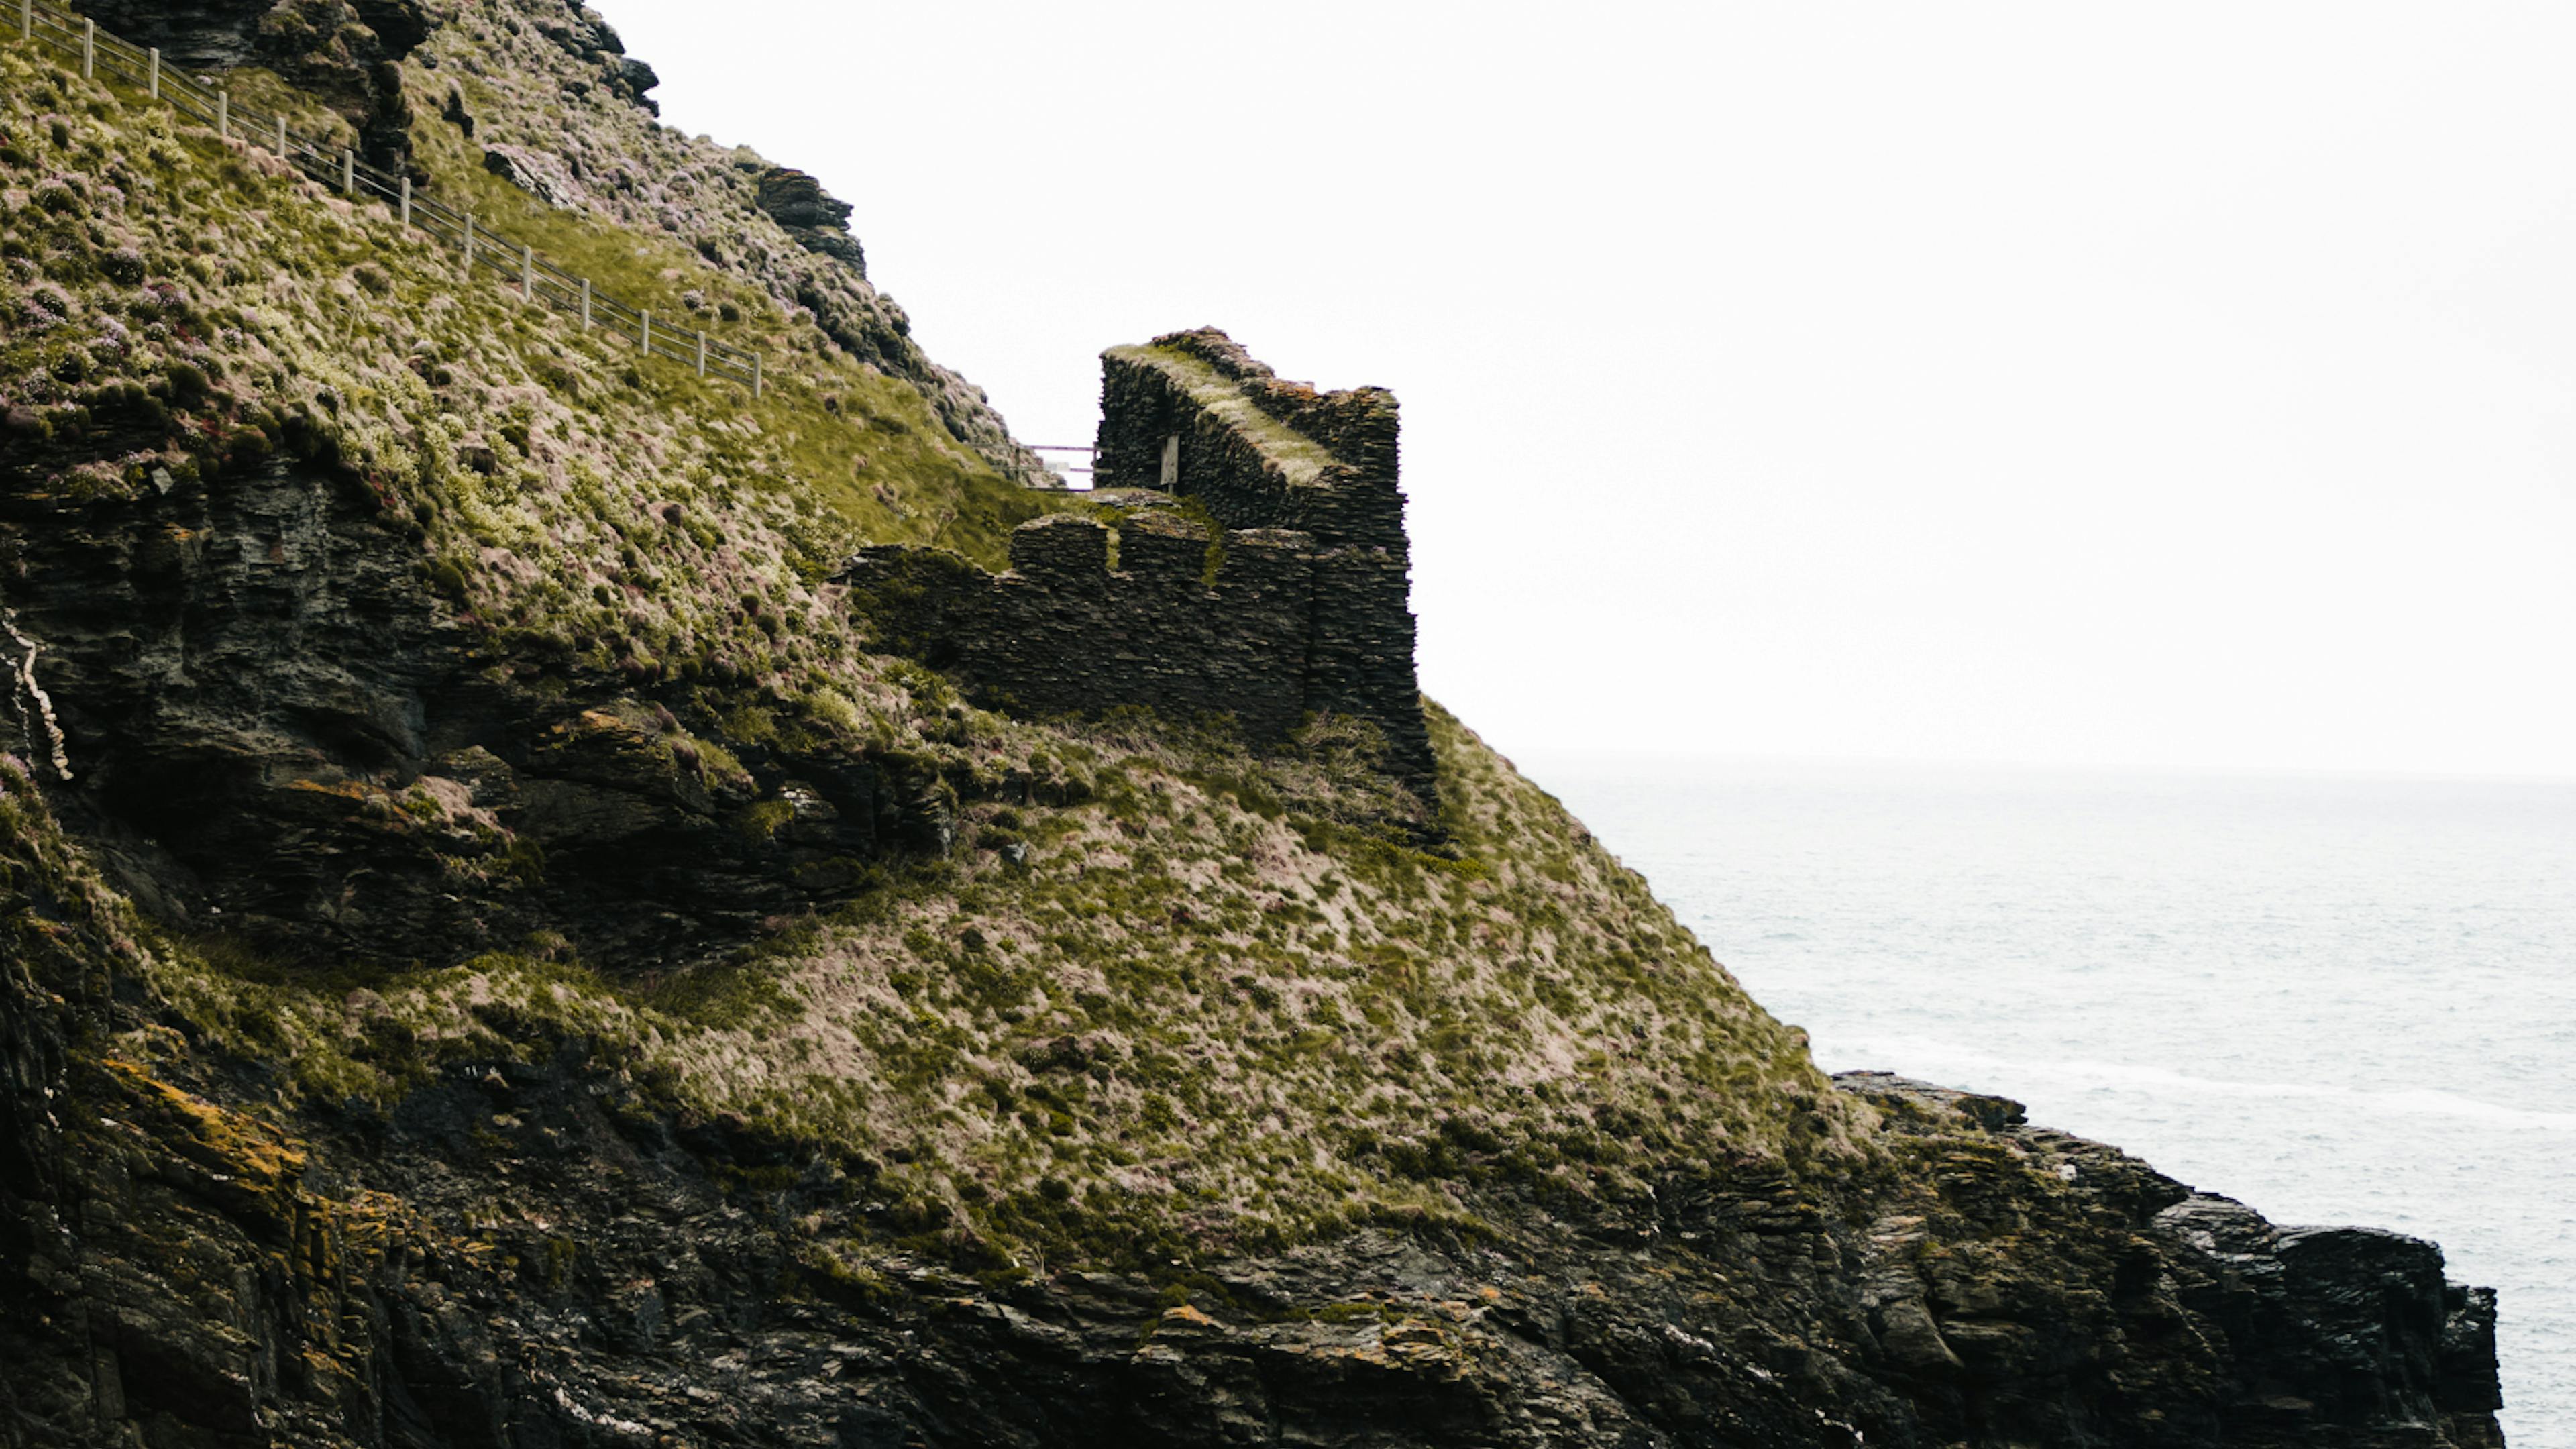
[[496, 952]]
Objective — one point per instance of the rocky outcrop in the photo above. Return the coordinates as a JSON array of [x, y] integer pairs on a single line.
[[817, 220], [191, 1275], [2340, 1326], [209, 35], [581, 32], [2122, 1307], [346, 52], [350, 55], [282, 731]]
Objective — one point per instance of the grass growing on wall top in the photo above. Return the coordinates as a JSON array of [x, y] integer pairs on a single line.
[[1301, 459]]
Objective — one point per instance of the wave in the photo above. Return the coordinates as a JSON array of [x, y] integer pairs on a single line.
[[1933, 1054]]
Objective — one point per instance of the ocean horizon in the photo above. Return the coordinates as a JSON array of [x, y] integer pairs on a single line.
[[2339, 999]]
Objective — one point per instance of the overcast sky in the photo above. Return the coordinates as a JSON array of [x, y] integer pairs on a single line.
[[2188, 385]]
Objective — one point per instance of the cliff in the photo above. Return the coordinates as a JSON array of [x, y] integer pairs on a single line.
[[501, 944]]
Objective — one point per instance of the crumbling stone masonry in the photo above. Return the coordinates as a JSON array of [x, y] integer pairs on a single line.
[[1300, 607]]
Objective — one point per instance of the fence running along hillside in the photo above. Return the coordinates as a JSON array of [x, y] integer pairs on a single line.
[[485, 252]]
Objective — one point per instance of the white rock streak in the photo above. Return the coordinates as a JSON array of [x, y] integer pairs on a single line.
[[44, 704]]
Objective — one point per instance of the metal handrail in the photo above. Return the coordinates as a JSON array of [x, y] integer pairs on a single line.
[[339, 169], [1084, 449]]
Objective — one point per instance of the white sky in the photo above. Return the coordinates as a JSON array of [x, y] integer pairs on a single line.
[[2190, 385]]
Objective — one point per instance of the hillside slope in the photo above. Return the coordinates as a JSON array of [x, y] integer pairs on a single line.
[[493, 957]]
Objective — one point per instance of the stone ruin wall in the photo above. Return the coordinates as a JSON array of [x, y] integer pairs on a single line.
[[1306, 609], [1346, 495], [1064, 633]]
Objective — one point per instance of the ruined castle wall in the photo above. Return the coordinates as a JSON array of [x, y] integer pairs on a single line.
[[1192, 414], [1259, 452], [1360, 653], [1063, 633], [1357, 427], [1303, 609]]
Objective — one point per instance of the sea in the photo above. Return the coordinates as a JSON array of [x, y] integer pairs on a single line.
[[2338, 1000]]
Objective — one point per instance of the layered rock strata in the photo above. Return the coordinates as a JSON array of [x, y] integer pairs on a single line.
[[282, 732]]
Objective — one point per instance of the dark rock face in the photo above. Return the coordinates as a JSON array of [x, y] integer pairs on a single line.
[[2343, 1326], [278, 730], [2181, 1318], [208, 35], [797, 199], [184, 1275], [585, 36], [346, 53], [818, 221], [522, 171], [631, 78], [349, 55]]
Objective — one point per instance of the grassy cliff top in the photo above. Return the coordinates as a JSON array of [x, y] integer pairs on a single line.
[[1164, 993], [205, 305]]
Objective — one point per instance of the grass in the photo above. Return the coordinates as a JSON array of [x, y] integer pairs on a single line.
[[1181, 1028], [1301, 459], [1218, 1001], [832, 430]]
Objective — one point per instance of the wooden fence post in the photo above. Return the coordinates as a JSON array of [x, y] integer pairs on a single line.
[[648, 333], [527, 273], [406, 201], [348, 172], [89, 46], [281, 139], [755, 377], [153, 71], [585, 304], [702, 352], [26, 19], [469, 246], [223, 115]]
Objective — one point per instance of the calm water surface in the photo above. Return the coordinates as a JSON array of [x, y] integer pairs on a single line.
[[2339, 1000]]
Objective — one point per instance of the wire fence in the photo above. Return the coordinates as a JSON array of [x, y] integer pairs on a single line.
[[485, 252], [1086, 451], [1063, 472]]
